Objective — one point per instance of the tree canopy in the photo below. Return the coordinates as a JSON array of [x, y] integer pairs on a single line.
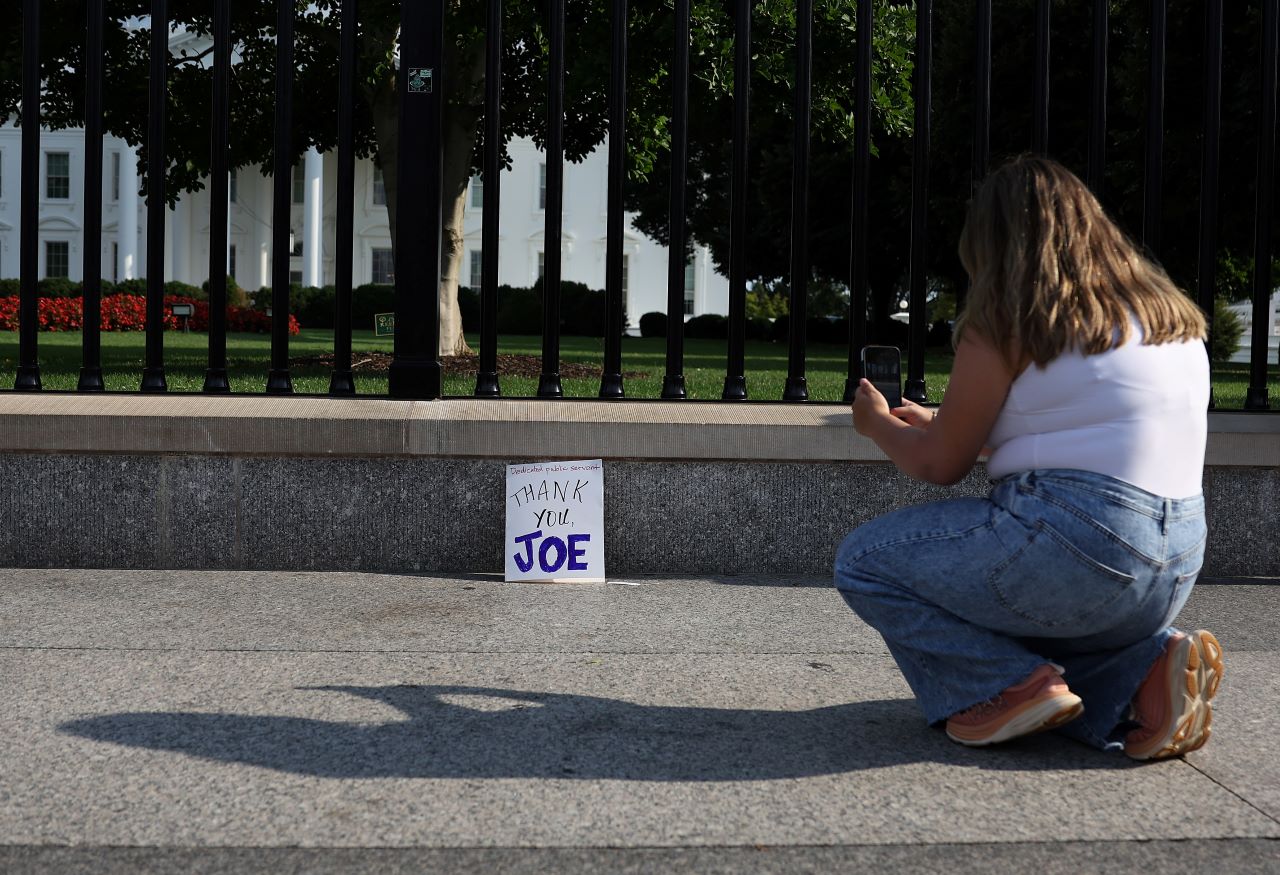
[[711, 51], [1070, 83]]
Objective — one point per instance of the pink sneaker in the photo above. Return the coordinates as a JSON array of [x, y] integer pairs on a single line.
[[1172, 705], [1041, 702]]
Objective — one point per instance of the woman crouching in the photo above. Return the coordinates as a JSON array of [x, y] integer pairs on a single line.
[[1047, 604]]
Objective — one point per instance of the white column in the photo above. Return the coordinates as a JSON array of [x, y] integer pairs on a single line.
[[168, 245], [179, 229], [263, 186], [230, 207], [312, 204], [127, 229]]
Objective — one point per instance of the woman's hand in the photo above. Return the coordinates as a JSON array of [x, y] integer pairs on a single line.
[[869, 407], [913, 414], [941, 450]]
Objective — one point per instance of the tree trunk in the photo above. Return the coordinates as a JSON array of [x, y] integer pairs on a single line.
[[461, 117], [463, 111]]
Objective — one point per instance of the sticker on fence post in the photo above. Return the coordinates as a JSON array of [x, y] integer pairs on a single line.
[[555, 521]]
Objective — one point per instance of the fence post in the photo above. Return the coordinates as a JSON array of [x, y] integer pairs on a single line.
[[1265, 200], [342, 381], [797, 387], [278, 380], [1153, 170], [487, 384], [1210, 158], [735, 380], [1098, 98], [858, 262], [923, 89], [28, 378], [677, 234], [611, 384], [415, 367], [153, 378], [215, 377], [91, 276], [549, 385]]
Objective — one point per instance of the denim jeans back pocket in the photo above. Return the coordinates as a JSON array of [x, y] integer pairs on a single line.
[[1055, 588]]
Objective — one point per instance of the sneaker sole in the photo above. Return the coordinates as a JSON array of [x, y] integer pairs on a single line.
[[1195, 670], [1036, 716]]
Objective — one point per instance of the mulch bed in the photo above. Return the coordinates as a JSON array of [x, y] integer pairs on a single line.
[[508, 365]]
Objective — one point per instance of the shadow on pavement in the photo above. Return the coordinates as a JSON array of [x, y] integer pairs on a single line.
[[480, 732]]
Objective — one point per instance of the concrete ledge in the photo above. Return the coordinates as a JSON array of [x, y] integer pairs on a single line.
[[258, 426], [377, 485]]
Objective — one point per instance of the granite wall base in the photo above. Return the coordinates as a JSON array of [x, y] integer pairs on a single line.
[[447, 514]]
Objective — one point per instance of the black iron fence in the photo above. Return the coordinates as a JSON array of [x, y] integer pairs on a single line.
[[422, 76]]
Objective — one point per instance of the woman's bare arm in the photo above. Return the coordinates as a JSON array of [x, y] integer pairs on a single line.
[[946, 450]]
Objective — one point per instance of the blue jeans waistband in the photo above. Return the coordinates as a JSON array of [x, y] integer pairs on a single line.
[[1108, 488]]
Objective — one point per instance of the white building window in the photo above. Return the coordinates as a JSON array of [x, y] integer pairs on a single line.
[[689, 277], [57, 258], [542, 186], [379, 188], [383, 267], [542, 265], [233, 192], [57, 176], [115, 262], [295, 277], [626, 276], [295, 249], [477, 192], [231, 261], [299, 183], [115, 177], [477, 269]]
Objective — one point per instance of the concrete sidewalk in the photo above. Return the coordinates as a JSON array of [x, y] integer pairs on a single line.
[[275, 722]]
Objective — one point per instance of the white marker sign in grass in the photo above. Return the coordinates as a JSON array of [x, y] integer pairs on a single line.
[[555, 521]]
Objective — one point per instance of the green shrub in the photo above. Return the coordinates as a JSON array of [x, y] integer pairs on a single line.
[[369, 299], [58, 287], [185, 290], [939, 334], [583, 311], [708, 326], [519, 311], [10, 287], [1227, 331], [469, 307], [236, 296], [653, 324], [759, 329], [821, 329], [314, 306], [818, 329], [765, 304]]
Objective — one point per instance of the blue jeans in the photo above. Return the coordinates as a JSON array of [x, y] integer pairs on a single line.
[[972, 594]]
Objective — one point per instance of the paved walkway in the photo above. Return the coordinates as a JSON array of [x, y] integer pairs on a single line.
[[247, 722]]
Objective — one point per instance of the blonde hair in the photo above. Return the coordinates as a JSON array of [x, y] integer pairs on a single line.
[[1049, 271]]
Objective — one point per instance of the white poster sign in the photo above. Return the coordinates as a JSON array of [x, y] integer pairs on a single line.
[[555, 521]]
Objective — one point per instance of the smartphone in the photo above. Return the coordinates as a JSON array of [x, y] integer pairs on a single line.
[[882, 365]]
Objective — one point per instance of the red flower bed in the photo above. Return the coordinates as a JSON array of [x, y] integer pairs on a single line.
[[129, 313]]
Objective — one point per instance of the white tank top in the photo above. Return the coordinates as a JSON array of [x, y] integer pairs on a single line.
[[1135, 412]]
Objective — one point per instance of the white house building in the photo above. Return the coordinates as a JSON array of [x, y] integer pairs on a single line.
[[521, 245], [1244, 311]]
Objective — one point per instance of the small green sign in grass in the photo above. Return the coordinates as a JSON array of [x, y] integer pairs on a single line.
[[384, 324]]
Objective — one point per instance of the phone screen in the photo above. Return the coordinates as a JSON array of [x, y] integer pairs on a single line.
[[882, 365]]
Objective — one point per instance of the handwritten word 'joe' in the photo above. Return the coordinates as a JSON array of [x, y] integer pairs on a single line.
[[553, 553]]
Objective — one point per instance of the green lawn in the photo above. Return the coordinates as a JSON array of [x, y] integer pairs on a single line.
[[248, 356]]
